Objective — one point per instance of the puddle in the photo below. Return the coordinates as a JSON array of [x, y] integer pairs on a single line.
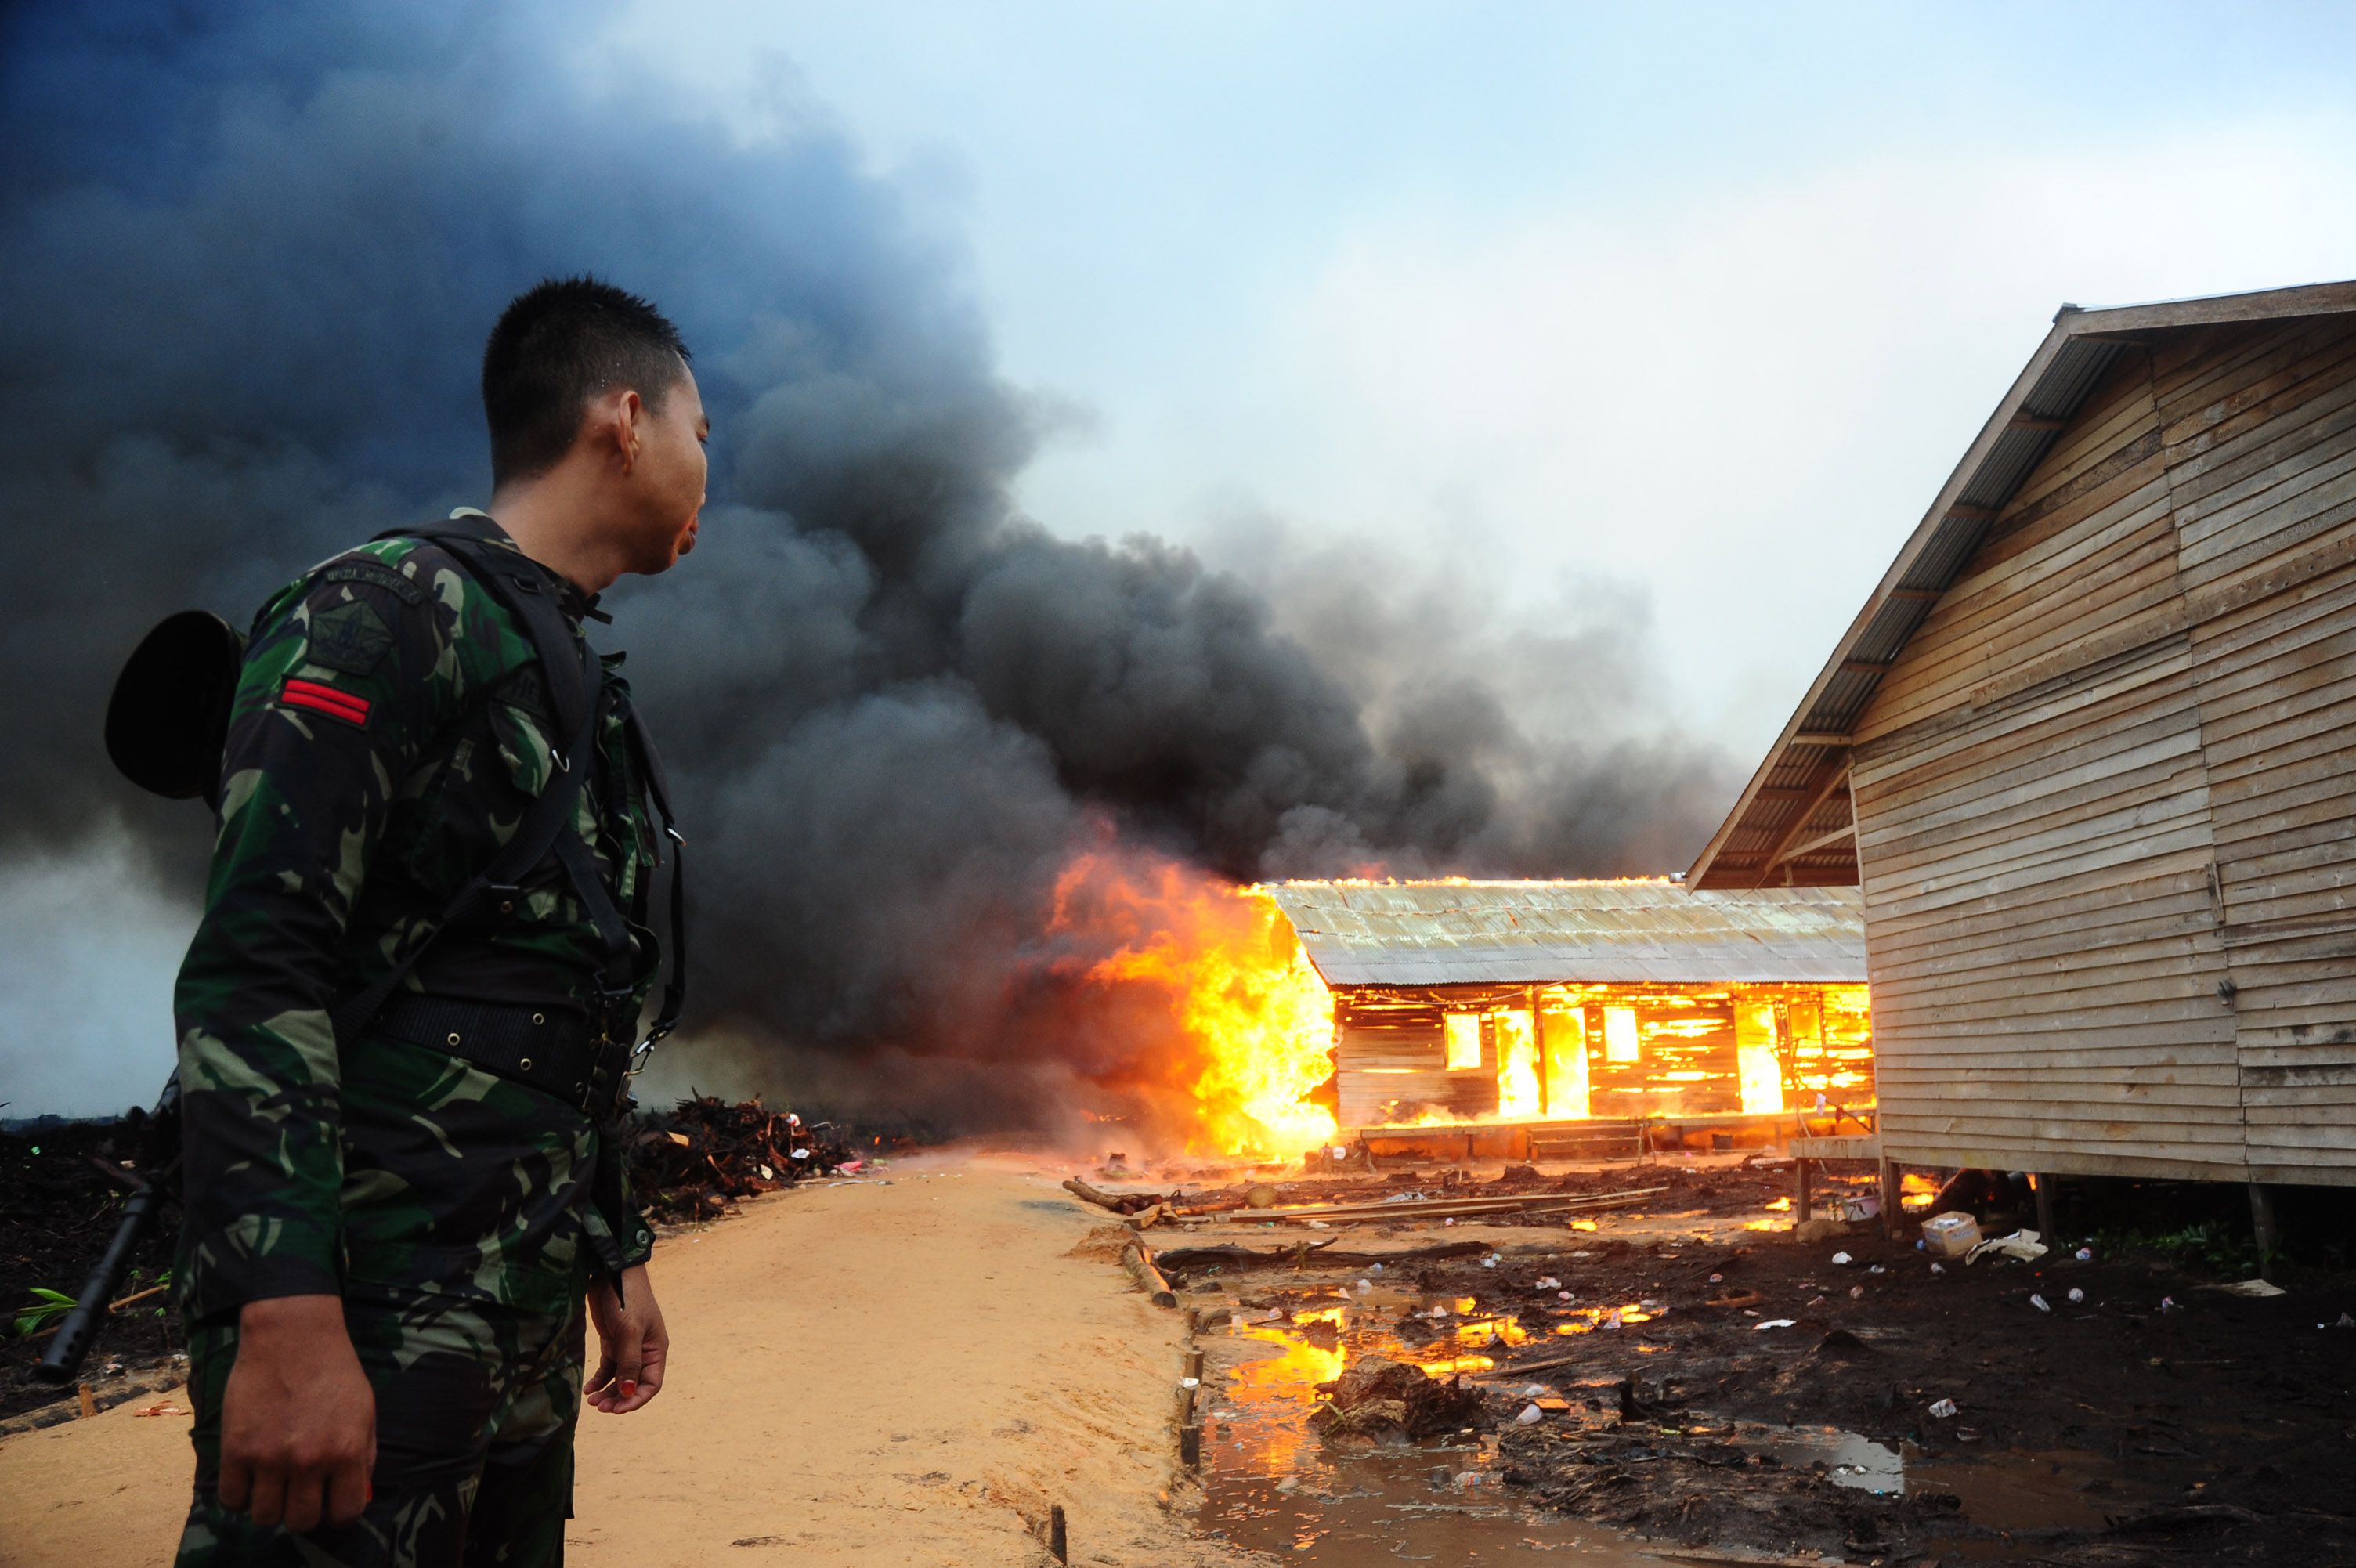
[[1271, 1486], [1849, 1459], [2066, 1490]]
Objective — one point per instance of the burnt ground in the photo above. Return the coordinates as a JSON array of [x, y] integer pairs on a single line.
[[56, 1215], [2157, 1421]]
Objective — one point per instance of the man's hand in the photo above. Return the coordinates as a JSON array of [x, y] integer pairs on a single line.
[[632, 1343], [298, 1418]]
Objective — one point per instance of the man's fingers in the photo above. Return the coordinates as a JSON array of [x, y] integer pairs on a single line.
[[625, 1375], [267, 1504], [603, 1376], [235, 1486], [348, 1492], [301, 1512]]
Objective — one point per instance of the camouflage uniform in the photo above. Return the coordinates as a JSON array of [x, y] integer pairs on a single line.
[[391, 730]]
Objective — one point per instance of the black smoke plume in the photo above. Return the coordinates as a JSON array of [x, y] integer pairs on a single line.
[[249, 254]]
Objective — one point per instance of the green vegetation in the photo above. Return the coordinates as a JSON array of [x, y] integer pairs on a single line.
[[2211, 1246]]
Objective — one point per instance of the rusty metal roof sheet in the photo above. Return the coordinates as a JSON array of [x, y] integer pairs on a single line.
[[1536, 933]]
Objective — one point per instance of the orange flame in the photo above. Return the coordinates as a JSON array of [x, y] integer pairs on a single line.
[[1253, 1021]]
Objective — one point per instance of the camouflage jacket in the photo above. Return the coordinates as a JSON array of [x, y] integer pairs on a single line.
[[390, 731]]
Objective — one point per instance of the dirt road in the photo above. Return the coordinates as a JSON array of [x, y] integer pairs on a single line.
[[907, 1373]]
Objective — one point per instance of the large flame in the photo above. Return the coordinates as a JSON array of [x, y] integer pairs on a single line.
[[1253, 1021]]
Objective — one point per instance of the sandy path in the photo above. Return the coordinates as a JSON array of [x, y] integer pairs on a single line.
[[901, 1374]]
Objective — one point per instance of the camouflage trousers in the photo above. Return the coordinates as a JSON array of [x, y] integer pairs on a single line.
[[476, 1407]]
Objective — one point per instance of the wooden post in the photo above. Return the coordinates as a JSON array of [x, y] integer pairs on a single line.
[[1891, 1191], [2262, 1222], [1799, 1190], [1189, 1446], [1056, 1540], [2044, 1186], [1195, 1365]]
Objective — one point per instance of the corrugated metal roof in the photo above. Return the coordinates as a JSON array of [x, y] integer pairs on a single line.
[[1759, 836], [1538, 933]]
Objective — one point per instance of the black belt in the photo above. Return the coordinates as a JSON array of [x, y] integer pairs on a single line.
[[554, 1051]]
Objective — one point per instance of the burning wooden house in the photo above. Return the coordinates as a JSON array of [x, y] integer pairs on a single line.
[[2087, 750], [1534, 1018]]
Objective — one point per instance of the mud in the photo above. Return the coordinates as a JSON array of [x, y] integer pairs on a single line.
[[2157, 1419]]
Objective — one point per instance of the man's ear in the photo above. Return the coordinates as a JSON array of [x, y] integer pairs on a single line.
[[629, 427]]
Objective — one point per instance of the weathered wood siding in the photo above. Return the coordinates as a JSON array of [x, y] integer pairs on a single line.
[[2111, 774]]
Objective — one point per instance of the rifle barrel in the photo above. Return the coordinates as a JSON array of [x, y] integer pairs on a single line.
[[79, 1330]]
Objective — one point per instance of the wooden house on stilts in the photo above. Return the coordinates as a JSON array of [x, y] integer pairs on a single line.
[[2089, 751]]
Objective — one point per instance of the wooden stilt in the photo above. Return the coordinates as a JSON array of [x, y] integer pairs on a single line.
[[2262, 1223], [1890, 1192], [2043, 1186], [1056, 1539], [1799, 1190]]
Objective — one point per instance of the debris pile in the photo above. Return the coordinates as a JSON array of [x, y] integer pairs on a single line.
[[691, 1161], [1378, 1398]]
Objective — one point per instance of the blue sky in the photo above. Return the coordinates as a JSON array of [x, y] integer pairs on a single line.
[[1697, 303]]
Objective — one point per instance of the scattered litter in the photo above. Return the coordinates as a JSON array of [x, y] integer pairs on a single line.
[[1938, 1268], [767, 1174], [2085, 1254], [1448, 1221], [2022, 1245], [2076, 1295], [2345, 1322], [1549, 1283], [1856, 1293], [1318, 1225], [1776, 1323], [1564, 1296], [1365, 1285], [1943, 1409], [1490, 1262], [2041, 1304], [1531, 1415], [1876, 1269], [1375, 1269], [2251, 1287], [851, 1165], [1718, 1279], [2167, 1304], [167, 1407], [1536, 1391], [1841, 1259], [1190, 1382]]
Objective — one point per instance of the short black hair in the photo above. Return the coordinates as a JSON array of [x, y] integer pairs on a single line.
[[556, 347]]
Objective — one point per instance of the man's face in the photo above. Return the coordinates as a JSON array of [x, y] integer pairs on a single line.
[[669, 476]]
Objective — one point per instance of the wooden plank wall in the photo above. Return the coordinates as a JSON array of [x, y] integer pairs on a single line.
[[2259, 429], [2108, 776], [1391, 1053]]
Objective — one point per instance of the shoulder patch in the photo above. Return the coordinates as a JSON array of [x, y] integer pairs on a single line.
[[375, 574], [332, 701], [351, 638]]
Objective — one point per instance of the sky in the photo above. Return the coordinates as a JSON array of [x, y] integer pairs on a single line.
[[1695, 303]]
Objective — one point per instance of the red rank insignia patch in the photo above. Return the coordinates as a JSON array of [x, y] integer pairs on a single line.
[[328, 700]]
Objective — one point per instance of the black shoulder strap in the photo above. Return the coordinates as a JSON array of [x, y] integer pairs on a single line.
[[674, 996], [575, 677]]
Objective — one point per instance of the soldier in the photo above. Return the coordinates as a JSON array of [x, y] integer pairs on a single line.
[[394, 1211]]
